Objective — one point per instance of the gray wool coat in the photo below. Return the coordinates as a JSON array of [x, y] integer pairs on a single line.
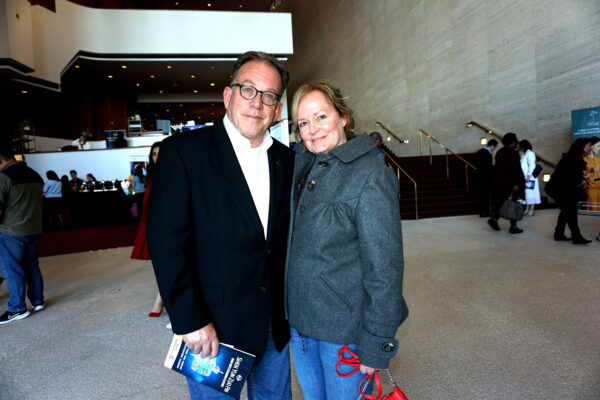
[[345, 264]]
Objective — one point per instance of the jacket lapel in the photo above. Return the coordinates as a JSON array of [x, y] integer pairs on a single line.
[[276, 182], [227, 165]]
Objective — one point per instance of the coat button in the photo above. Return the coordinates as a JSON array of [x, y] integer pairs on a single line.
[[323, 164], [311, 185], [302, 209], [388, 347], [268, 251], [263, 288]]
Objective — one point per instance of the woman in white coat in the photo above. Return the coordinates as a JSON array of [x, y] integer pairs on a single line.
[[532, 186]]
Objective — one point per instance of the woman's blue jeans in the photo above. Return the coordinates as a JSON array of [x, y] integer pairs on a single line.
[[315, 362]]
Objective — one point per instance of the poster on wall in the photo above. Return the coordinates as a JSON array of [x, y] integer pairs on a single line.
[[585, 123]]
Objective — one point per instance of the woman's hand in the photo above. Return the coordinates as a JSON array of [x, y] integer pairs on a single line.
[[366, 370]]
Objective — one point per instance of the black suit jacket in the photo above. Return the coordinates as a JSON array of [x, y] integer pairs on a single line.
[[484, 162], [207, 244]]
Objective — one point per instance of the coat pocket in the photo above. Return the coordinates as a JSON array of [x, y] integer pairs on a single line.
[[335, 293]]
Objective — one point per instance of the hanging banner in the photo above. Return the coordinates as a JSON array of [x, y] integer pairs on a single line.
[[585, 123]]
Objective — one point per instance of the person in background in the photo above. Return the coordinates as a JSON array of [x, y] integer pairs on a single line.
[[65, 186], [120, 141], [138, 187], [217, 224], [592, 175], [508, 180], [377, 152], [484, 162], [86, 132], [82, 143], [53, 192], [345, 266], [140, 247], [90, 178], [567, 187], [20, 232], [532, 186], [75, 182]]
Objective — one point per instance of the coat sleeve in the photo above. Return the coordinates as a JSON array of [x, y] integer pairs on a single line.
[[380, 244], [530, 157], [170, 241]]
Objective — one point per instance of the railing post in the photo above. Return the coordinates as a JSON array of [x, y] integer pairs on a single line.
[[447, 166], [420, 143], [467, 177], [416, 206], [430, 153]]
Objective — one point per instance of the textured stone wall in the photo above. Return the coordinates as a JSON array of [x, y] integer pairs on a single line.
[[513, 65]]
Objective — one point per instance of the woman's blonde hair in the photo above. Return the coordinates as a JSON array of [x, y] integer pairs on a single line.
[[332, 94]]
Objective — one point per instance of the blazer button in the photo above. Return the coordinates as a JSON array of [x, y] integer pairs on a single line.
[[263, 289], [388, 347], [302, 209], [311, 185], [323, 164]]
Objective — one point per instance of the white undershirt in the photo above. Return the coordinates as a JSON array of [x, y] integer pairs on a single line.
[[255, 166]]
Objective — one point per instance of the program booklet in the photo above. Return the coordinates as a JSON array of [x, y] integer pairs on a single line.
[[226, 373]]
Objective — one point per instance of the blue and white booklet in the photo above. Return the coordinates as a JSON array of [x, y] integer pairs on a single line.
[[227, 372]]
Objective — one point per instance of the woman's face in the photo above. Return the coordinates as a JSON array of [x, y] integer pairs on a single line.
[[596, 149], [321, 127], [89, 177], [155, 154], [587, 148]]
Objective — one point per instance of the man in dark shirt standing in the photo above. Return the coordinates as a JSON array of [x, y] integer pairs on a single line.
[[20, 232], [484, 161]]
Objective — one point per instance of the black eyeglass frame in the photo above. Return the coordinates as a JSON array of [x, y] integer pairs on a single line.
[[241, 85]]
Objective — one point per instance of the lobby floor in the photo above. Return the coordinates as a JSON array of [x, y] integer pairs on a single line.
[[492, 316]]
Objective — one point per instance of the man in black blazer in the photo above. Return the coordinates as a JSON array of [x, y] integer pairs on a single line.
[[217, 229], [484, 161]]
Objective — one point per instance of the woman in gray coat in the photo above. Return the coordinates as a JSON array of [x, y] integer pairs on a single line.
[[345, 263]]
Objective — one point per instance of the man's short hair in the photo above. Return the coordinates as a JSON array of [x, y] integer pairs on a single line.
[[492, 142], [375, 136], [72, 171], [509, 139], [6, 149], [260, 56]]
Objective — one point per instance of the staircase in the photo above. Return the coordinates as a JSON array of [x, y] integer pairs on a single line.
[[437, 196]]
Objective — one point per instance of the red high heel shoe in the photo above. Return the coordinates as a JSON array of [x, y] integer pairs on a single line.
[[156, 314]]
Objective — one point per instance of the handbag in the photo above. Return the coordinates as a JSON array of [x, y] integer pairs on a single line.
[[511, 210], [536, 171], [353, 361], [396, 394]]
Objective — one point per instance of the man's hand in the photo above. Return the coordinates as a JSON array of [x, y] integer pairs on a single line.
[[366, 370], [203, 341]]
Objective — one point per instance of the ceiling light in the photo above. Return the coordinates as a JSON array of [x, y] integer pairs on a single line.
[[152, 77], [176, 3], [124, 66], [181, 105], [212, 84], [167, 110], [212, 67], [241, 6], [208, 5], [160, 91], [137, 84], [483, 141], [212, 113], [184, 114], [169, 66], [156, 115], [77, 66], [24, 91], [195, 91], [192, 76], [110, 77]]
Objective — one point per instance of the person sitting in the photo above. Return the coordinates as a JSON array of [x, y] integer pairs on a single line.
[[90, 178], [82, 143], [53, 193]]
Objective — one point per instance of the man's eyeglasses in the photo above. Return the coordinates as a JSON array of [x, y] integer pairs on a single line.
[[249, 93]]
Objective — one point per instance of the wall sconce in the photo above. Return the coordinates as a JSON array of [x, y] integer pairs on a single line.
[[483, 141], [546, 177]]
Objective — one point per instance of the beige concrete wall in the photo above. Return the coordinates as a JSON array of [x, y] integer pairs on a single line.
[[514, 65]]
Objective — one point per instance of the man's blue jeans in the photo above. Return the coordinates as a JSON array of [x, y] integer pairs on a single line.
[[269, 380], [20, 267], [315, 362]]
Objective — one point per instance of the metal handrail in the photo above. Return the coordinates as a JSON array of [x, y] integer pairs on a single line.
[[400, 169], [391, 133], [499, 136], [467, 164]]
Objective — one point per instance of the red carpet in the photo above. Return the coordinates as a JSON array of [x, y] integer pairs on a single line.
[[86, 239]]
